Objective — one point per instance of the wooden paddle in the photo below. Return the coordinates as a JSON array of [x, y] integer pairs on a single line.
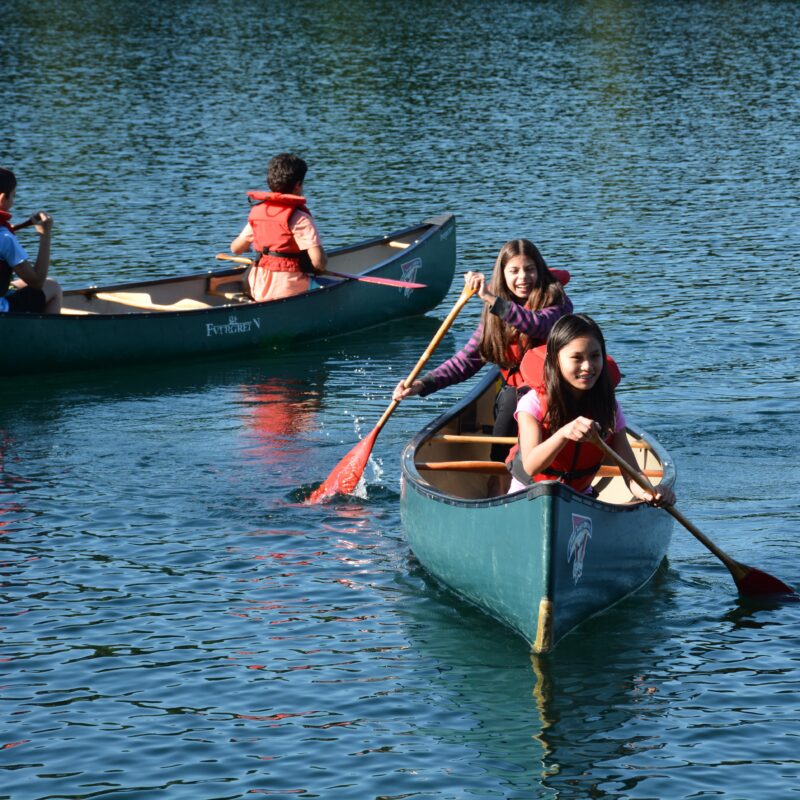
[[363, 278], [32, 220], [348, 471], [749, 580]]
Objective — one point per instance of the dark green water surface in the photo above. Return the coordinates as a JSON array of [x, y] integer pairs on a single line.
[[175, 623]]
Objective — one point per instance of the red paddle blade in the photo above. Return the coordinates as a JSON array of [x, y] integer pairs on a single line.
[[347, 473], [755, 582]]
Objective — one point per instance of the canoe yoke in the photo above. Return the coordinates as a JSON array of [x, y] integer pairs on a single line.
[[231, 287]]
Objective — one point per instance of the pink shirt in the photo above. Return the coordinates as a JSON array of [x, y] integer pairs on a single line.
[[531, 404]]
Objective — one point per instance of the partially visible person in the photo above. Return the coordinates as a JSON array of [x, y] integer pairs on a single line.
[[522, 302], [281, 230], [568, 398], [31, 291]]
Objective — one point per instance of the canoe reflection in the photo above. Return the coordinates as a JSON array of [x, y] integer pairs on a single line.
[[279, 413], [566, 722]]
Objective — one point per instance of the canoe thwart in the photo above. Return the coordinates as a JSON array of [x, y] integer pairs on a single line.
[[499, 468], [478, 438], [234, 292]]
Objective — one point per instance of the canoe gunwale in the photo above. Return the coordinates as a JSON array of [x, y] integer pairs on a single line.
[[540, 489], [428, 228]]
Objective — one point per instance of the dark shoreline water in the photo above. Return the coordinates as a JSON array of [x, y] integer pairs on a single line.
[[175, 622]]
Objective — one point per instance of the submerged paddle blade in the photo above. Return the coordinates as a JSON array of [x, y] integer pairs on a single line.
[[347, 473], [755, 582]]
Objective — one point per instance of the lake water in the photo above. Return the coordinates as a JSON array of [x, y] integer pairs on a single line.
[[175, 623]]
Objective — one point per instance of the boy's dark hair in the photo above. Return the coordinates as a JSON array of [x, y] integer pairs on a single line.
[[285, 171], [8, 181]]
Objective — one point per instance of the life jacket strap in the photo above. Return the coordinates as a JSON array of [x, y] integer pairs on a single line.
[[267, 252], [517, 470]]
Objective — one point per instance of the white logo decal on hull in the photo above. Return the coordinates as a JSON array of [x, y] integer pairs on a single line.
[[232, 326], [409, 270], [576, 548]]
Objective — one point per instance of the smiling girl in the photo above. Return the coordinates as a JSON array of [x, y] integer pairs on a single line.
[[556, 418], [522, 302]]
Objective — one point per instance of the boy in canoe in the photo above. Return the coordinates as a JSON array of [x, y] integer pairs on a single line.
[[32, 291], [281, 229]]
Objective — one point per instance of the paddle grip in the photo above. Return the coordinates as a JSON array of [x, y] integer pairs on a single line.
[[235, 259], [32, 220]]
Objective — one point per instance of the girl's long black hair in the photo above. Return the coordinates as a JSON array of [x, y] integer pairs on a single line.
[[599, 402]]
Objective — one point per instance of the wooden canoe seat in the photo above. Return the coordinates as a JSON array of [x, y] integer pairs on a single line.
[[144, 301], [398, 245], [235, 291], [76, 312], [477, 438]]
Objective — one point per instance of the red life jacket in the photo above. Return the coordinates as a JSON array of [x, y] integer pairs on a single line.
[[5, 221], [269, 219], [514, 353], [577, 462], [511, 375]]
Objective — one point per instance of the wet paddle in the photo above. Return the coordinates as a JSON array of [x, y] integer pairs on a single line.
[[749, 580], [362, 278], [348, 471]]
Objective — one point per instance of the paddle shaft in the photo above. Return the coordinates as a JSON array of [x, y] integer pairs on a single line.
[[32, 220], [364, 278], [736, 569], [466, 293], [345, 476]]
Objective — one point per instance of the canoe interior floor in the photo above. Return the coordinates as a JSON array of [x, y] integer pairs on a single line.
[[201, 293]]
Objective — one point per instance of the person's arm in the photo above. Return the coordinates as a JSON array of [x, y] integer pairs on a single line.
[[538, 453], [35, 275], [244, 241], [663, 496], [460, 367], [318, 258], [536, 324]]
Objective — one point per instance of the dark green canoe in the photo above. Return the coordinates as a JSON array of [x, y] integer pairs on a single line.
[[205, 313], [541, 560]]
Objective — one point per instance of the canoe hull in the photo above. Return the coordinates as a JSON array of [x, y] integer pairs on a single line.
[[543, 560], [46, 342]]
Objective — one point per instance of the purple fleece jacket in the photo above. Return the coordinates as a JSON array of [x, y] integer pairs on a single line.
[[467, 361]]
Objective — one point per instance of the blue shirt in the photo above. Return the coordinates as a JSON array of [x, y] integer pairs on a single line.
[[11, 250]]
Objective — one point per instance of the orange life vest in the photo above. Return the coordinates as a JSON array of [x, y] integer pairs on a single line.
[[577, 463], [512, 375], [272, 237], [514, 352]]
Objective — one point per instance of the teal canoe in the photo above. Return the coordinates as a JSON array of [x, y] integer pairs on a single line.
[[205, 313], [542, 560]]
